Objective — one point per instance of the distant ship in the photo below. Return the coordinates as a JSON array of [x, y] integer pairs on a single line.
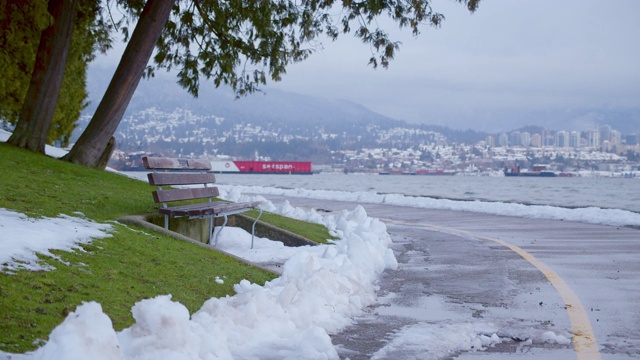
[[261, 167], [435, 172], [133, 162], [537, 171], [428, 172]]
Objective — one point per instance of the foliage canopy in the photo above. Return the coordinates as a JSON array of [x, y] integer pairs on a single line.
[[22, 23], [244, 43]]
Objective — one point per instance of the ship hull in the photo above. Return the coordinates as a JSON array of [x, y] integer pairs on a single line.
[[531, 174], [262, 167]]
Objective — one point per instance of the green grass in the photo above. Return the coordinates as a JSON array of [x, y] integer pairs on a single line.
[[116, 272], [315, 232], [41, 186]]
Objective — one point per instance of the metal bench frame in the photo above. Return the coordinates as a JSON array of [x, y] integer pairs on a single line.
[[174, 171]]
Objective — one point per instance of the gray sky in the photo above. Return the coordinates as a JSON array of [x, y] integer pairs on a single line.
[[493, 68], [511, 63]]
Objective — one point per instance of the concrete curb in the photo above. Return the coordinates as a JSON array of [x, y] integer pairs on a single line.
[[269, 231], [141, 221]]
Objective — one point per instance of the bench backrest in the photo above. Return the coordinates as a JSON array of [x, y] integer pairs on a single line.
[[183, 175], [167, 163]]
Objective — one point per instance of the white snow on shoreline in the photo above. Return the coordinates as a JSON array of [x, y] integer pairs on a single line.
[[592, 215]]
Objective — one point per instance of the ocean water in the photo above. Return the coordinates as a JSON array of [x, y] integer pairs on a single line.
[[574, 192]]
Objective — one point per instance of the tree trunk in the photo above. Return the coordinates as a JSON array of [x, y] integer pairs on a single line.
[[39, 104], [95, 138], [106, 155]]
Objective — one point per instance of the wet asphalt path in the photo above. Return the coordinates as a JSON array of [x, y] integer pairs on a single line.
[[454, 269]]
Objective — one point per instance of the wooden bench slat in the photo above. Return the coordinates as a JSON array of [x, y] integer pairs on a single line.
[[165, 163], [166, 178], [184, 194], [205, 209]]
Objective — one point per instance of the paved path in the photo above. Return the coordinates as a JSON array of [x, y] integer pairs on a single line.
[[526, 276]]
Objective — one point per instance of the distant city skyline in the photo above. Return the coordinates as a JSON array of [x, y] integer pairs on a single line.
[[512, 63], [391, 147], [604, 137]]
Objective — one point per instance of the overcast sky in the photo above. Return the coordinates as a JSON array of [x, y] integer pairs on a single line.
[[510, 63], [509, 58]]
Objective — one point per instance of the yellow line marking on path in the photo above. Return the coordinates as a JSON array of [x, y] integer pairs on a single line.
[[584, 340]]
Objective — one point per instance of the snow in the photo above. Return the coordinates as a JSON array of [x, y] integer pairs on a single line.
[[49, 150], [441, 339], [85, 331], [592, 215], [22, 237], [4, 135]]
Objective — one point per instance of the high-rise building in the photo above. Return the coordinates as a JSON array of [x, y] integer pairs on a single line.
[[503, 140], [491, 141], [605, 133], [525, 138], [574, 139], [616, 137], [593, 139], [536, 140], [562, 139], [514, 138]]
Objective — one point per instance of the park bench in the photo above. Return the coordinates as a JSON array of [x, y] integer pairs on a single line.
[[195, 184]]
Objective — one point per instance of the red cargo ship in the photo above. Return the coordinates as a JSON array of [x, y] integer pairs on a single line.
[[262, 167]]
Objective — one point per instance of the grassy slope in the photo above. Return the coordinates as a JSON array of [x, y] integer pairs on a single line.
[[117, 271]]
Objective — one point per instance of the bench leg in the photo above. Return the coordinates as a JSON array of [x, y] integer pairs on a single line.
[[166, 222], [253, 227], [226, 218], [210, 230]]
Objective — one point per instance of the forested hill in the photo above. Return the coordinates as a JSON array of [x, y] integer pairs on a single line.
[[272, 109], [271, 106]]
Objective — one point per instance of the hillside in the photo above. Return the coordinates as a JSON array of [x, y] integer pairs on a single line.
[[271, 106], [91, 293], [135, 264], [284, 126]]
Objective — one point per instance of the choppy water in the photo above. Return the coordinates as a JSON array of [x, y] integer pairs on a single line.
[[615, 193]]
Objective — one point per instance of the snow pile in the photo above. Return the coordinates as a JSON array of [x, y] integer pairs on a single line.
[[321, 288], [319, 291], [85, 331], [434, 341], [48, 149], [444, 339], [553, 338], [21, 238], [593, 215], [4, 135]]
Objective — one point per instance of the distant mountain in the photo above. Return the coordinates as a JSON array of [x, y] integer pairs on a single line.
[[626, 121], [284, 109], [275, 107], [276, 110]]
